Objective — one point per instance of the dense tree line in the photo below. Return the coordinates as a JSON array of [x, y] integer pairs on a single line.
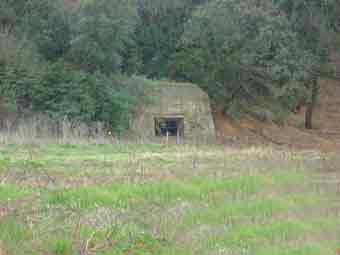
[[80, 58]]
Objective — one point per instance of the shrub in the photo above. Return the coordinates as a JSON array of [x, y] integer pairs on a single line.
[[77, 95], [86, 97]]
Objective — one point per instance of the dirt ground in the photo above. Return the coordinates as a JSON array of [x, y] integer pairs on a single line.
[[324, 137]]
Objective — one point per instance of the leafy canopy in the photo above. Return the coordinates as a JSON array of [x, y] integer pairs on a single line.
[[244, 53], [102, 33]]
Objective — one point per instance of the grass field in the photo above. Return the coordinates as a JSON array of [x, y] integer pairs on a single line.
[[157, 199]]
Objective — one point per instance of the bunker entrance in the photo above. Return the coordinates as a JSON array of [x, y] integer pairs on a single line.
[[169, 127]]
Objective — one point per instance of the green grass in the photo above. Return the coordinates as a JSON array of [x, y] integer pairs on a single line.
[[142, 244], [165, 192], [11, 192], [61, 246], [16, 236], [152, 199], [305, 249]]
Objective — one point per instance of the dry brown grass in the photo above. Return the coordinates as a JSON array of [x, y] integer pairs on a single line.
[[42, 129]]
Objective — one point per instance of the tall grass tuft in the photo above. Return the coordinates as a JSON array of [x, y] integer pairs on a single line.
[[42, 129]]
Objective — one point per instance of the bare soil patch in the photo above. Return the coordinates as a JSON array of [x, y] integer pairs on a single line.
[[325, 137]]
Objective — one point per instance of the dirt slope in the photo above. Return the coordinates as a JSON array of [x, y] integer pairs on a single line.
[[325, 136]]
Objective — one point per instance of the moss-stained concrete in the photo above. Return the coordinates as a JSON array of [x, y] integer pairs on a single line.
[[177, 100]]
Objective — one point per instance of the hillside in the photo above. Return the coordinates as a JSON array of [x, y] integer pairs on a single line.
[[86, 61], [249, 131], [325, 136]]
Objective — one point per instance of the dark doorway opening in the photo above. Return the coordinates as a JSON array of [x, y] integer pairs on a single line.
[[169, 127]]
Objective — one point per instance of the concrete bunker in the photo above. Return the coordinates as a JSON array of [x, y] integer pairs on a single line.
[[180, 110]]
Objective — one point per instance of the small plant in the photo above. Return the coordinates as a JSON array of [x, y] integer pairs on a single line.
[[62, 247]]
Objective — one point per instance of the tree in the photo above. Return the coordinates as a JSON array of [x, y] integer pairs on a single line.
[[102, 33], [47, 24], [11, 12], [316, 23], [84, 45], [244, 54], [158, 32], [20, 65]]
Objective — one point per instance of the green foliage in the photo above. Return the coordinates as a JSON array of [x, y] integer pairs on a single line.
[[95, 38], [47, 24], [16, 85], [250, 56], [243, 52], [83, 96], [316, 23], [102, 34], [7, 14], [76, 95], [62, 247], [11, 13], [161, 25]]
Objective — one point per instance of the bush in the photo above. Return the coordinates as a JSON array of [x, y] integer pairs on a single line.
[[244, 54], [102, 35], [77, 95], [86, 97]]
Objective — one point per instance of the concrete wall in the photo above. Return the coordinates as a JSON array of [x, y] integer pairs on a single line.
[[183, 100]]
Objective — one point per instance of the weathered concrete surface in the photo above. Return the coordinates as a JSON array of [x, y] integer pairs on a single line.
[[177, 100]]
